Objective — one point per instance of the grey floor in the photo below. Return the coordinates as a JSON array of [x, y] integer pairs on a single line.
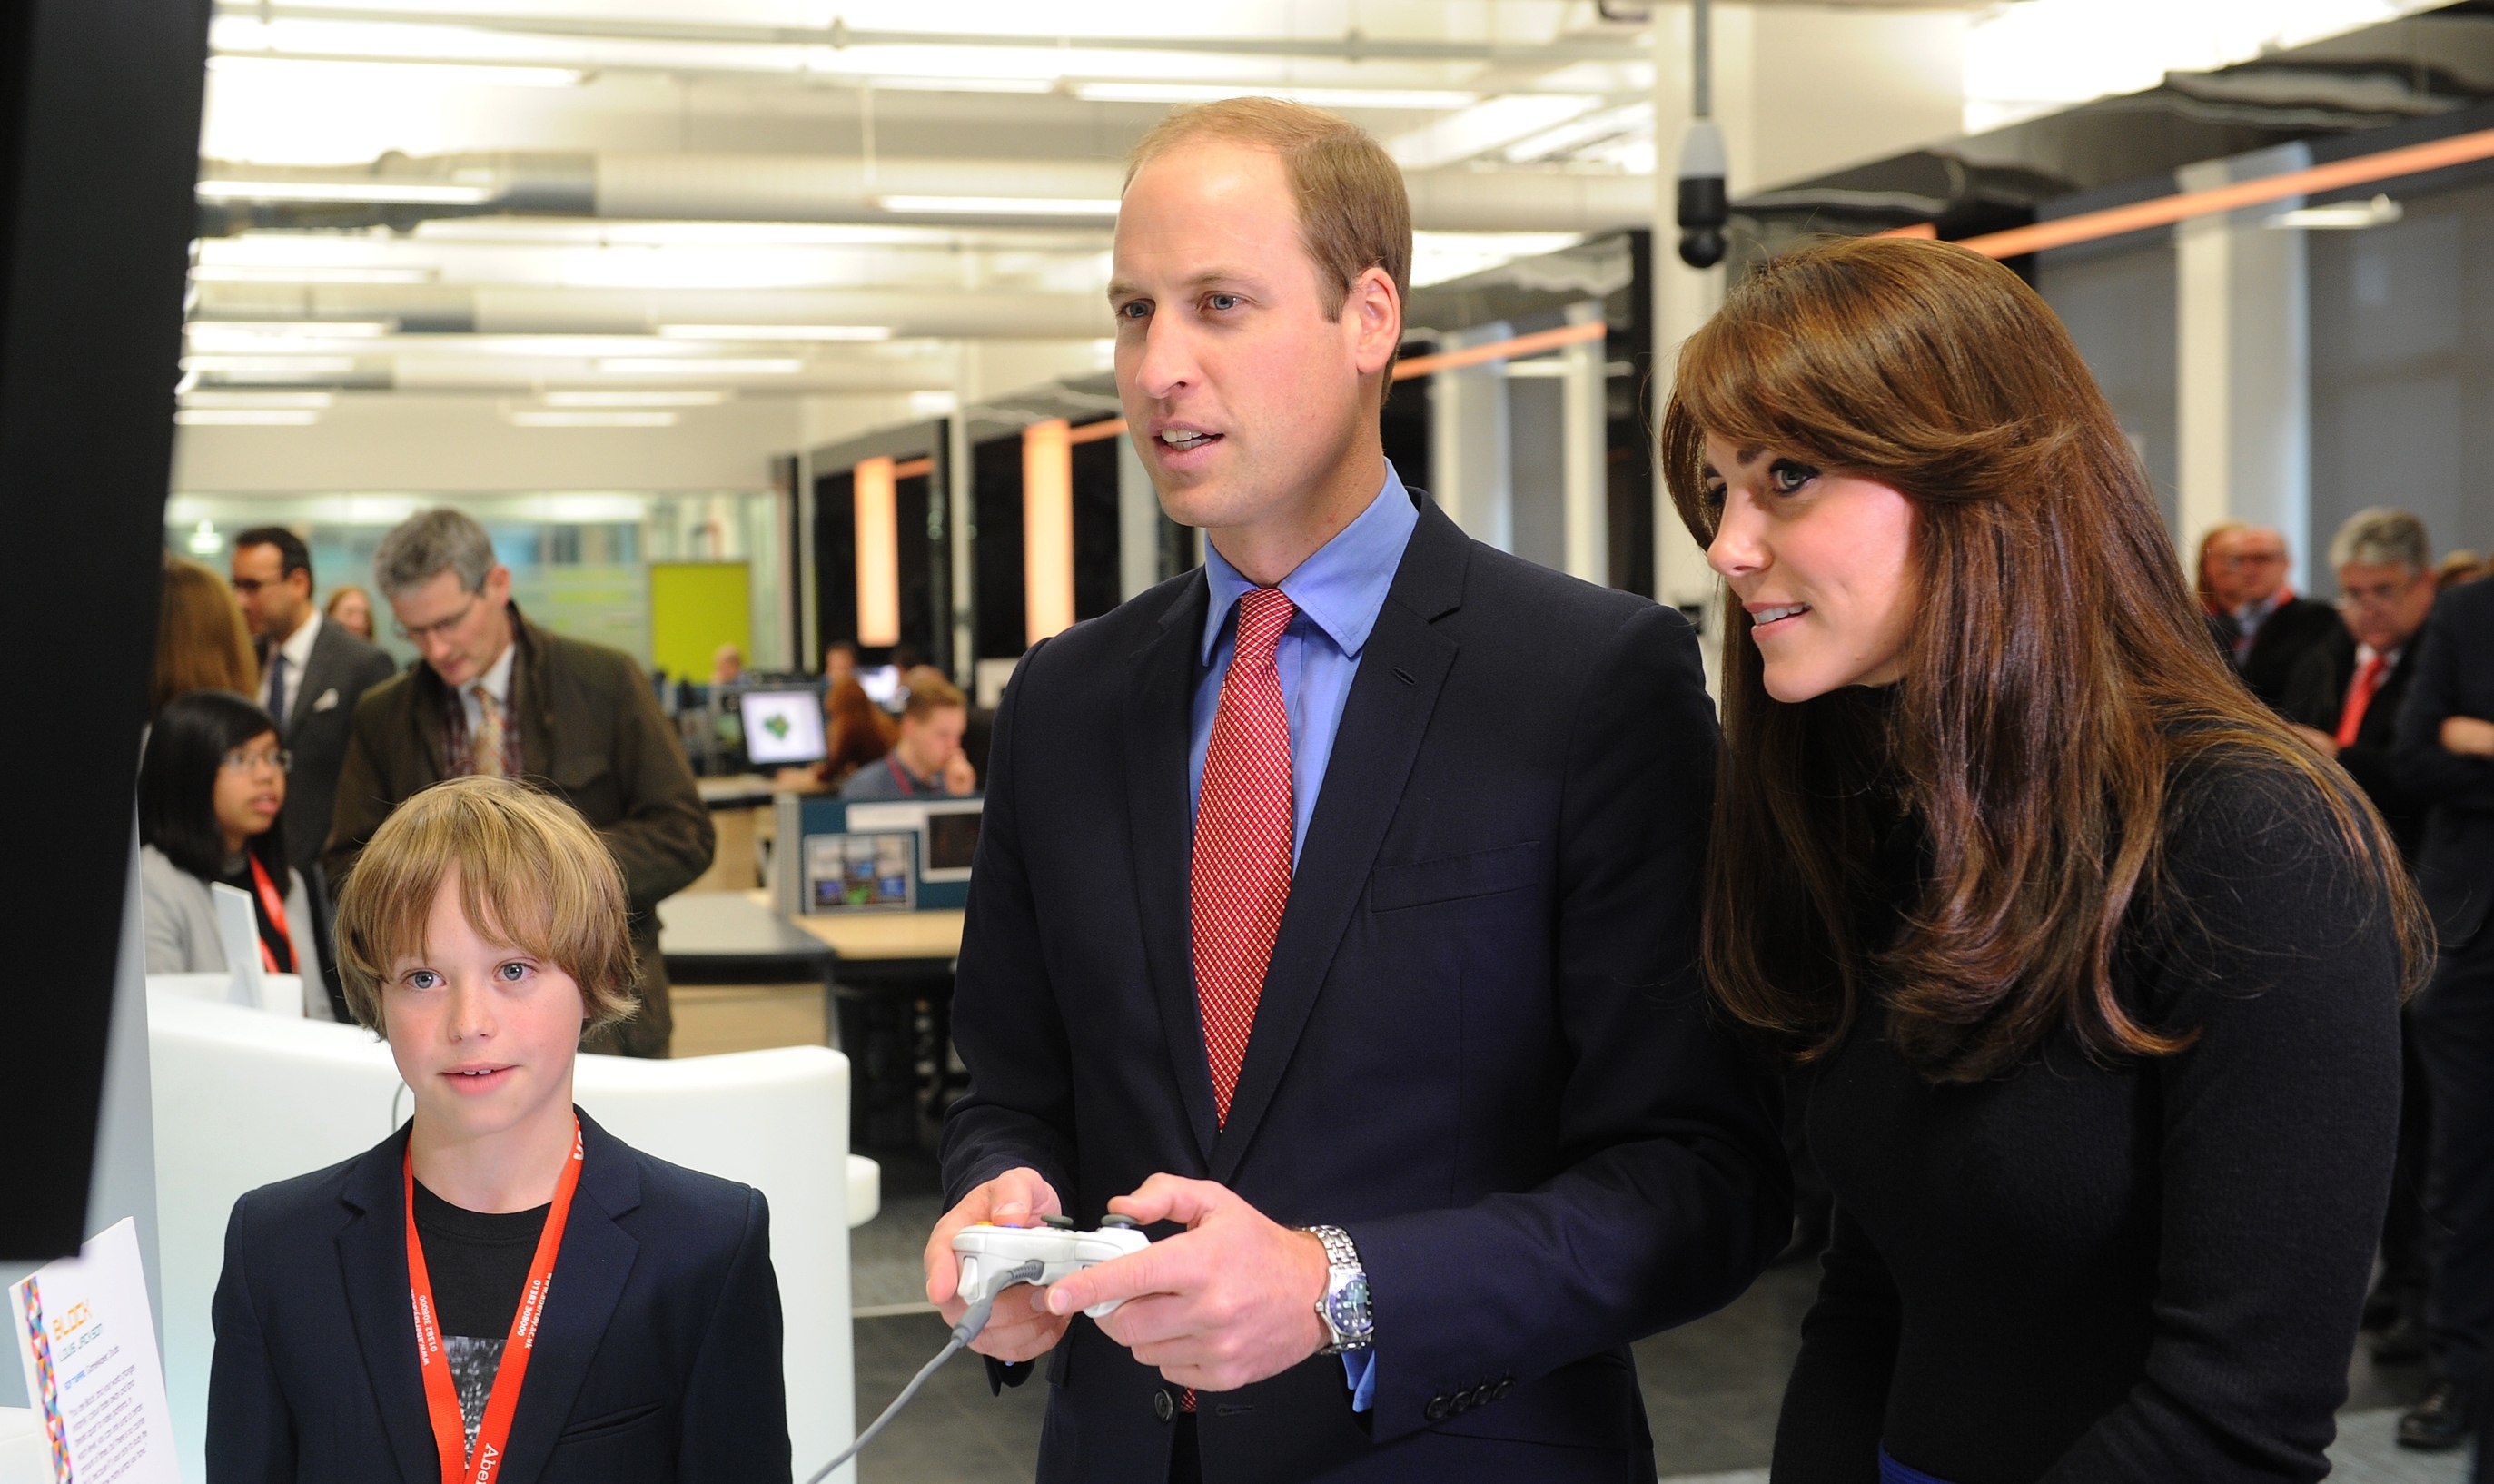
[[1711, 1389]]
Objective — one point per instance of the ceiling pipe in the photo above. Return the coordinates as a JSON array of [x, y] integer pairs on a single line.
[[399, 190]]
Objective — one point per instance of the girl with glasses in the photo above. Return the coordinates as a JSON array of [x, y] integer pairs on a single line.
[[211, 806]]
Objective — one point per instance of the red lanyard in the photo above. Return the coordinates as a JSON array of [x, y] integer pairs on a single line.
[[440, 1392], [274, 904]]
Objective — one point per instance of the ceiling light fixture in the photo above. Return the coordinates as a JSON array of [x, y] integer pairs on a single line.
[[2340, 216], [997, 205], [776, 331], [700, 366], [271, 365], [292, 329], [274, 65], [282, 273], [704, 399], [386, 192], [1440, 98], [609, 419], [245, 417], [215, 398]]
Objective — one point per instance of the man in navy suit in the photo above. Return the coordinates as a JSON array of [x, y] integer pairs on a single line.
[[1326, 926], [2445, 757]]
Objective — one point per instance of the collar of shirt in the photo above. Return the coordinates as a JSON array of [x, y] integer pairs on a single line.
[[1341, 587], [297, 648], [2365, 655], [2253, 613], [497, 679]]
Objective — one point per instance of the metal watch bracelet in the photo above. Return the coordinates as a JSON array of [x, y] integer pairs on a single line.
[[1342, 1307]]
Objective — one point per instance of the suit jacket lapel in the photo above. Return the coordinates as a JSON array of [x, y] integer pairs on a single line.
[[308, 684], [371, 1257], [589, 1273], [1387, 714], [1159, 697]]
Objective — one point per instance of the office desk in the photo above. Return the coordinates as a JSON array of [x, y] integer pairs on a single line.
[[891, 988], [735, 790], [729, 938]]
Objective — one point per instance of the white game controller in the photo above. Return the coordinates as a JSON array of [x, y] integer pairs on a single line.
[[989, 1253]]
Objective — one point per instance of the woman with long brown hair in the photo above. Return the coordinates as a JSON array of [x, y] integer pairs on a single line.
[[201, 643], [2092, 970]]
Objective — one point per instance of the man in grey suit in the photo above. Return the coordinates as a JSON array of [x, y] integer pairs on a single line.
[[311, 673]]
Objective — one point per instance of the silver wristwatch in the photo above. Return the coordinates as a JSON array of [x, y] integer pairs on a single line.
[[1342, 1307]]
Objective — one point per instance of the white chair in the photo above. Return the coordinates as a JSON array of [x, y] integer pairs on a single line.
[[243, 1099]]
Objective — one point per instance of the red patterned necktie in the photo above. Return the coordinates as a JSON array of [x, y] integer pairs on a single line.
[[2359, 699], [1242, 840]]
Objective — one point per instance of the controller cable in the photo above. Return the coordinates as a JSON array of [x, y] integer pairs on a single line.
[[962, 1334]]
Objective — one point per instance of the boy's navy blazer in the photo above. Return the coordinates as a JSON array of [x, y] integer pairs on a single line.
[[1483, 1047], [659, 1357]]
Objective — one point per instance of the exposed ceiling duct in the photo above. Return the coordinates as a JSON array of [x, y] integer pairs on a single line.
[[399, 190]]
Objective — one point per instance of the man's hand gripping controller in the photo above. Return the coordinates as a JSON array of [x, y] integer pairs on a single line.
[[988, 1255]]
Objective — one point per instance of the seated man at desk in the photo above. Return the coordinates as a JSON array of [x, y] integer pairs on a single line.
[[927, 759]]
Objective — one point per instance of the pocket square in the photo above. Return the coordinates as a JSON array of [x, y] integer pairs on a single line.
[[328, 701]]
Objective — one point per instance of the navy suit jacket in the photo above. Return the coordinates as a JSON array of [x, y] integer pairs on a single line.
[[1482, 1047], [2455, 677], [659, 1357]]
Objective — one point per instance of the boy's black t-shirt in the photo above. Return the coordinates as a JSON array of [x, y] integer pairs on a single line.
[[478, 1261]]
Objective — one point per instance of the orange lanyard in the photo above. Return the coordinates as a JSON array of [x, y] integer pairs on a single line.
[[274, 905], [440, 1392]]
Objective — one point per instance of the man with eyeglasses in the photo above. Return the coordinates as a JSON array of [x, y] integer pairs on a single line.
[[498, 695], [2264, 627], [2344, 699], [312, 674]]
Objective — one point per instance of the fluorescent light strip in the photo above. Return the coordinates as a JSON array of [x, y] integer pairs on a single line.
[[320, 329], [611, 419], [258, 273], [1439, 99], [776, 331], [997, 205], [2341, 215], [247, 417], [274, 65], [212, 399], [635, 399], [699, 366], [271, 365], [378, 192]]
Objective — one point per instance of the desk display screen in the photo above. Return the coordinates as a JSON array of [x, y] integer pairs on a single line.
[[782, 726], [951, 839], [861, 872]]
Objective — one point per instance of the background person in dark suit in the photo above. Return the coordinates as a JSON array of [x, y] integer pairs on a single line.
[[2260, 622], [311, 675], [499, 696], [1291, 926], [2445, 756], [2344, 700]]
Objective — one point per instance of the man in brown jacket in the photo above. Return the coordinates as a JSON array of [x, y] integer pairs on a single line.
[[498, 695]]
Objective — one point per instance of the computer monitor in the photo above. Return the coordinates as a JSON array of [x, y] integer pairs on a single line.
[[782, 727], [881, 684]]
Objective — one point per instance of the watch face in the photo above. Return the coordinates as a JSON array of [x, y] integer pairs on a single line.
[[1347, 1308]]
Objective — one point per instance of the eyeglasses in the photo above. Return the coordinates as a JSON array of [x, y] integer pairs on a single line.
[[240, 761], [417, 633], [2252, 559]]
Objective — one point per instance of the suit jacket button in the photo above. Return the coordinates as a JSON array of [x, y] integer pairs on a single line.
[[1162, 1405], [1498, 1392], [1436, 1411]]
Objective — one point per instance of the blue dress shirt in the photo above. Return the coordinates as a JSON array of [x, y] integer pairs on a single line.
[[1338, 590]]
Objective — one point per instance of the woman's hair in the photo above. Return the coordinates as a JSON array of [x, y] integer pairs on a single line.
[[860, 733], [344, 591], [177, 783], [533, 876], [201, 643], [2058, 681]]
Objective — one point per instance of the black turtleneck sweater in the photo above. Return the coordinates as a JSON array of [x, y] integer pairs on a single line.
[[2142, 1272]]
